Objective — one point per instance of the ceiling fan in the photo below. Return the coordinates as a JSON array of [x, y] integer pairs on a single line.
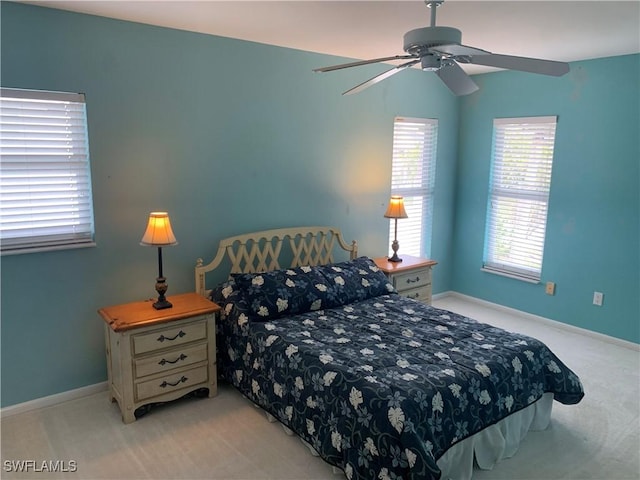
[[438, 49]]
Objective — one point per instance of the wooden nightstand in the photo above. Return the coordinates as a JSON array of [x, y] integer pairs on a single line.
[[160, 355], [411, 277]]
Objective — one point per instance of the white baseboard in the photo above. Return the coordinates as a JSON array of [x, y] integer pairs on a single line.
[[439, 296], [53, 399], [537, 318]]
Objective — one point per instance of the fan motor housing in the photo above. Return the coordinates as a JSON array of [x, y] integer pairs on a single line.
[[418, 41], [430, 62]]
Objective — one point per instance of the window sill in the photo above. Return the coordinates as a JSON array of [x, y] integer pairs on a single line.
[[50, 248], [515, 276]]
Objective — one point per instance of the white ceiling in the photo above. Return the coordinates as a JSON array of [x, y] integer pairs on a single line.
[[552, 29]]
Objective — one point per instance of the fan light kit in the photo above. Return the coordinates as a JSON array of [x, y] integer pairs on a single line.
[[439, 50]]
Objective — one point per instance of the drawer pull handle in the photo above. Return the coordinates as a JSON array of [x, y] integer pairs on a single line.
[[166, 384], [162, 338], [417, 279], [165, 361], [415, 295]]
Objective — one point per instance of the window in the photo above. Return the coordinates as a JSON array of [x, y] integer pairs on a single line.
[[412, 176], [519, 195], [45, 179]]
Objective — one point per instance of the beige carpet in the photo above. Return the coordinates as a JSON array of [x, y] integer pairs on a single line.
[[227, 438]]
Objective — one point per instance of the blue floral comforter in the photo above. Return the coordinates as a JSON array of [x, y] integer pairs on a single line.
[[384, 386]]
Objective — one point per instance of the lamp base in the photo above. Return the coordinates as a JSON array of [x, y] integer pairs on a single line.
[[395, 246], [162, 304], [161, 288], [395, 258]]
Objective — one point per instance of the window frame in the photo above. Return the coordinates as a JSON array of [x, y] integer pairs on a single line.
[[519, 187], [45, 172], [414, 240]]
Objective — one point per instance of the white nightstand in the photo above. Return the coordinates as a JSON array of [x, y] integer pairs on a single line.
[[160, 355], [411, 277]]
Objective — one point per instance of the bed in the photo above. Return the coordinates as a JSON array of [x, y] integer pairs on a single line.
[[378, 385]]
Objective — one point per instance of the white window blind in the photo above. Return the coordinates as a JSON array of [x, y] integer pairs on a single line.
[[45, 179], [413, 177], [519, 195]]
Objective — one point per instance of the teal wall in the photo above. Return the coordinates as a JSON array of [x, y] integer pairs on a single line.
[[593, 230], [232, 136], [227, 136]]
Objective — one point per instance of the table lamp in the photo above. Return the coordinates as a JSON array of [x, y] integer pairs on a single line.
[[159, 234], [395, 210]]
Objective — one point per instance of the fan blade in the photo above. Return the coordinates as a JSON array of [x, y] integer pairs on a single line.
[[524, 64], [362, 62], [455, 50], [380, 77], [456, 79]]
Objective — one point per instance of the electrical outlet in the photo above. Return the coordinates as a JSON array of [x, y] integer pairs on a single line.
[[550, 288], [598, 297]]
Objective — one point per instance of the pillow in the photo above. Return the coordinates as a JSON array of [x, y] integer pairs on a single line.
[[282, 292], [221, 292], [353, 281], [235, 309], [270, 295]]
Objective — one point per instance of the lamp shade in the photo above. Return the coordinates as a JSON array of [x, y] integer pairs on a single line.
[[396, 208], [158, 231]]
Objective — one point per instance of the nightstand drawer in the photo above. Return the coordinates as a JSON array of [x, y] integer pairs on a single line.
[[421, 294], [169, 383], [169, 337], [170, 359], [411, 280]]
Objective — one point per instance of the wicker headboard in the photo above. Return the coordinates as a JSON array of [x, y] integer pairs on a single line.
[[262, 251]]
